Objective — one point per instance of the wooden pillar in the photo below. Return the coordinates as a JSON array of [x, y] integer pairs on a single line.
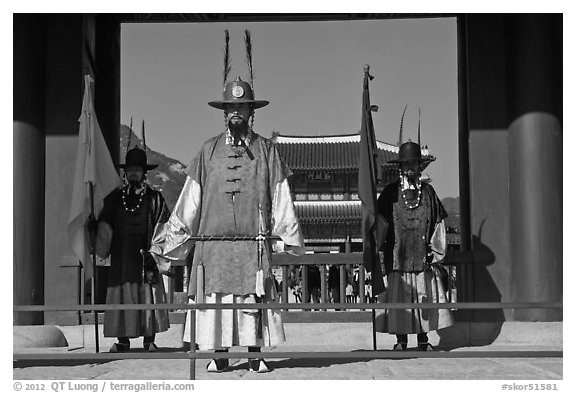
[[465, 282], [64, 89], [534, 50], [107, 100], [28, 165]]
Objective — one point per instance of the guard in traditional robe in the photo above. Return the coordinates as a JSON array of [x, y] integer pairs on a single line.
[[413, 248], [125, 228], [236, 208]]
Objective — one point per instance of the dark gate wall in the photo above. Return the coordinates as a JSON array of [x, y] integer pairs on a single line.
[[28, 166], [52, 53], [515, 148]]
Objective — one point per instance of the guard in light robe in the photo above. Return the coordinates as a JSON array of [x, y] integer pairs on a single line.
[[236, 189], [414, 248]]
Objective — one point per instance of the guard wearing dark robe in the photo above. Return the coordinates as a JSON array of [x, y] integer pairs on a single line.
[[413, 248], [126, 225]]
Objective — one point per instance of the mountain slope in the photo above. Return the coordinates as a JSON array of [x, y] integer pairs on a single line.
[[168, 177]]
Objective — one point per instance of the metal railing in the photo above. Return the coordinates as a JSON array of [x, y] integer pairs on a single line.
[[346, 262], [286, 262], [193, 354]]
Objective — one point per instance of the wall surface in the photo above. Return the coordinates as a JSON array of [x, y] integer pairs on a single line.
[[63, 105], [515, 147], [28, 166]]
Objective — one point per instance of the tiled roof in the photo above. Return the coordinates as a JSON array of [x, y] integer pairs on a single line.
[[328, 211], [338, 152]]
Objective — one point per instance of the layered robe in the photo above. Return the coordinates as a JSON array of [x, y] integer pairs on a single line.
[[122, 234], [232, 191], [414, 243]]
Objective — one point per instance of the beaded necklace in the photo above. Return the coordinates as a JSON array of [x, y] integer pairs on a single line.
[[140, 199], [418, 198]]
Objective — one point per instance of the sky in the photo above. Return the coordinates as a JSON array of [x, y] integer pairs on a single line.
[[311, 72]]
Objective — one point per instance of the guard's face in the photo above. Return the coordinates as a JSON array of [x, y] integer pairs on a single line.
[[135, 174], [410, 169], [237, 115]]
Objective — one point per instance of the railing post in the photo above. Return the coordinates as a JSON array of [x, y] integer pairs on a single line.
[[285, 285], [362, 283], [192, 344], [323, 284], [342, 285], [305, 291]]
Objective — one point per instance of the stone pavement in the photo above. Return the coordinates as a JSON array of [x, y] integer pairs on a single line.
[[329, 337]]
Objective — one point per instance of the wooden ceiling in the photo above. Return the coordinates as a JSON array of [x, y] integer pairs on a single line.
[[278, 17]]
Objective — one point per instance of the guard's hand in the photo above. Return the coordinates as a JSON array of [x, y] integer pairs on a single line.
[[149, 262], [92, 224], [151, 272]]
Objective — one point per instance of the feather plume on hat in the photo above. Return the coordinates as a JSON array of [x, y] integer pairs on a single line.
[[227, 66]]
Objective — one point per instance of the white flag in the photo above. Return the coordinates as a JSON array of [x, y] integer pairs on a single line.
[[93, 165]]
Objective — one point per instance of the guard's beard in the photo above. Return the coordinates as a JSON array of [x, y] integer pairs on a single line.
[[134, 184], [239, 129]]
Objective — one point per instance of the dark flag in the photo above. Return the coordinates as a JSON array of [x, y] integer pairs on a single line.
[[373, 226]]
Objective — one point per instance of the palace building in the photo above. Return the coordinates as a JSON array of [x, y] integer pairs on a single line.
[[325, 186]]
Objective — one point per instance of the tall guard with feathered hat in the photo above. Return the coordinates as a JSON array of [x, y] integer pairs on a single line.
[[236, 208]]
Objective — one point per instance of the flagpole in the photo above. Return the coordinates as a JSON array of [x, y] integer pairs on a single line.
[[367, 78], [93, 248]]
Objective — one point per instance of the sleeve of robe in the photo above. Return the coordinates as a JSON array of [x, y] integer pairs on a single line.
[[171, 240], [105, 225], [159, 218], [285, 223], [438, 230]]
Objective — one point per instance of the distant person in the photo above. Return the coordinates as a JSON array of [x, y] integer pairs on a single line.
[[297, 292], [415, 243], [355, 287], [124, 228], [334, 283], [314, 284], [278, 288], [349, 293]]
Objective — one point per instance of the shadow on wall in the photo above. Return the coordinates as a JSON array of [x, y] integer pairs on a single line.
[[477, 327]]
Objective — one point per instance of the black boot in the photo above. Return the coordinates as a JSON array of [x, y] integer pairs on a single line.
[[123, 345], [401, 342], [257, 365], [149, 345], [218, 365], [423, 343]]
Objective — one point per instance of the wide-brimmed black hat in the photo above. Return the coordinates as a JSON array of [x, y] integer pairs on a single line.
[[238, 92], [137, 157], [411, 152]]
